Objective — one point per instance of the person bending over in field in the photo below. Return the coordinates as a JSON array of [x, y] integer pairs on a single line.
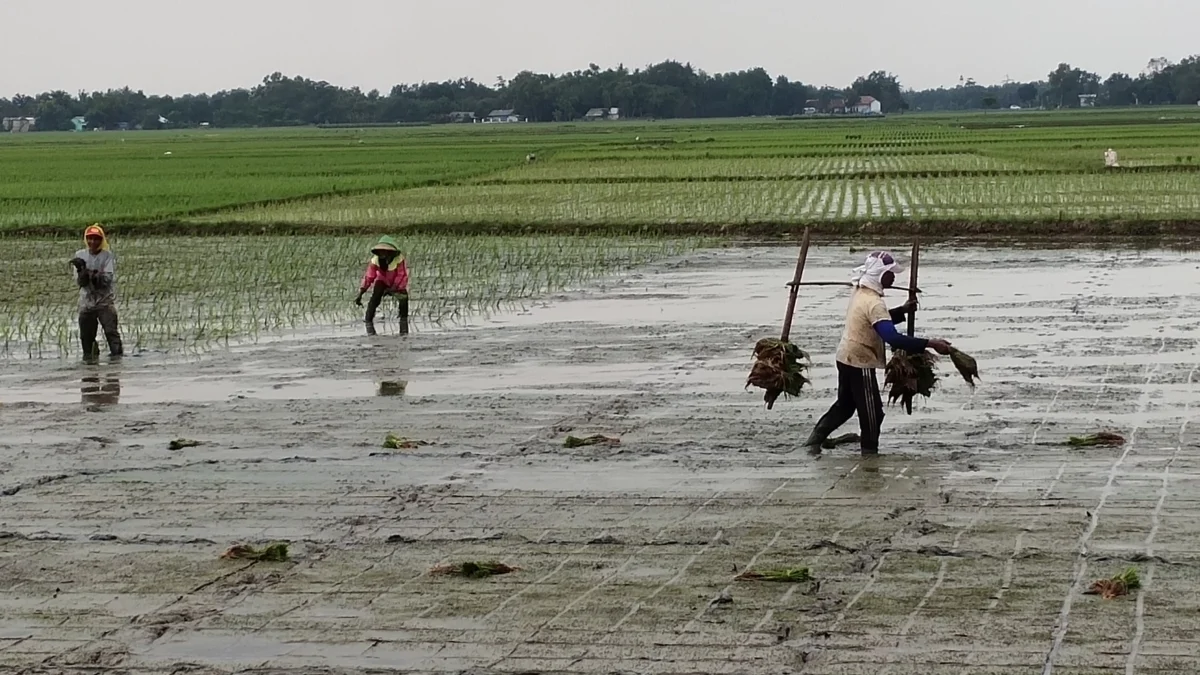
[[869, 325], [386, 275], [95, 272]]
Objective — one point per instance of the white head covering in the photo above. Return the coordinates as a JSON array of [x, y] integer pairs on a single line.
[[870, 274]]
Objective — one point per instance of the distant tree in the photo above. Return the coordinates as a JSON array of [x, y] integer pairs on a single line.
[[1067, 83], [663, 90], [1118, 89], [881, 85]]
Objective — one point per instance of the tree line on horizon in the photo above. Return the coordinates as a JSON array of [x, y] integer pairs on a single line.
[[662, 91]]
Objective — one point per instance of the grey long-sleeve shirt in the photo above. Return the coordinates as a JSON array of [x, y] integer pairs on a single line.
[[102, 291]]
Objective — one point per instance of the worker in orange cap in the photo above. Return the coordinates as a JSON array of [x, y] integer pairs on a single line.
[[95, 272]]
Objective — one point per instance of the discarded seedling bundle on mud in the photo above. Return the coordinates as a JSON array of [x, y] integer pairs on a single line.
[[1120, 585], [789, 575], [1103, 438], [394, 442], [598, 439], [473, 570], [277, 552], [779, 365]]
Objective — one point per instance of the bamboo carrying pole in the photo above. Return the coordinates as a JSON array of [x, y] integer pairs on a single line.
[[795, 287], [846, 284], [912, 297]]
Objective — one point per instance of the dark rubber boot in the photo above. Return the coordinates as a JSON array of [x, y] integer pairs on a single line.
[[370, 327], [816, 441]]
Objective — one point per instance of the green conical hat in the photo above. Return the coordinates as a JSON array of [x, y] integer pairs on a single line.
[[386, 243]]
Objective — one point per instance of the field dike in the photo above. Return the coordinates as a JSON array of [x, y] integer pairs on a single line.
[[965, 549]]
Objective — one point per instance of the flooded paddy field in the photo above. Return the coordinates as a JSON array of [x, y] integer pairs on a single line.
[[965, 548]]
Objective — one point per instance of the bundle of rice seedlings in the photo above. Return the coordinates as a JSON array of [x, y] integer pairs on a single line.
[[1122, 584], [392, 388], [966, 366], [394, 442], [574, 442], [791, 575], [181, 443], [779, 368], [908, 375], [473, 570], [1104, 438], [277, 552]]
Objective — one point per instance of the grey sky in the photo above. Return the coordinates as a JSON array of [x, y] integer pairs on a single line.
[[174, 47]]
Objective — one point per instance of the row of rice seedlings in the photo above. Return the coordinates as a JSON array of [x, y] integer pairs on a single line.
[[189, 293], [992, 198], [573, 171]]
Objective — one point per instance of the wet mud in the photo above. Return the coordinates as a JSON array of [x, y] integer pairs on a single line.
[[966, 548]]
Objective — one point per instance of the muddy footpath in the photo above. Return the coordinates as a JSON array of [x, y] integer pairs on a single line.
[[966, 548]]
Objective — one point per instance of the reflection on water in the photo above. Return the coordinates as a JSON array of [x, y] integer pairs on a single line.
[[102, 388], [390, 364]]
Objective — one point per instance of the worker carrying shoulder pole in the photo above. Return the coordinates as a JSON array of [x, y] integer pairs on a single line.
[[869, 325], [95, 274], [387, 274]]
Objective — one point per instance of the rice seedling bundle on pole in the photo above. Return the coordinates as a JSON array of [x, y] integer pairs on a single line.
[[909, 374], [779, 365]]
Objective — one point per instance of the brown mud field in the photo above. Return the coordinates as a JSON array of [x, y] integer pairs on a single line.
[[966, 548]]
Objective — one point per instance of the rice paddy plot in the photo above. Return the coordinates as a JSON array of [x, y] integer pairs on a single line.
[[970, 198], [189, 293], [57, 179]]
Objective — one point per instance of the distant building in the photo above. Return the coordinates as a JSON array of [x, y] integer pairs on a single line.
[[462, 117], [79, 122], [501, 117], [1087, 100], [837, 105], [18, 125], [868, 105], [596, 114]]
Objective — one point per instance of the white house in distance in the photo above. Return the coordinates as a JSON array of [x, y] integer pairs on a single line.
[[868, 105], [501, 117], [1087, 100], [19, 125], [596, 114]]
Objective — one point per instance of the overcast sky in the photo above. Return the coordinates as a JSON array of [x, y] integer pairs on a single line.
[[175, 47]]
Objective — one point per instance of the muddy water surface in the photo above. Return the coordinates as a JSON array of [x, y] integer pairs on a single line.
[[965, 548]]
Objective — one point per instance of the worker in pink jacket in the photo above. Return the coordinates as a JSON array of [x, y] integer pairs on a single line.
[[386, 275]]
